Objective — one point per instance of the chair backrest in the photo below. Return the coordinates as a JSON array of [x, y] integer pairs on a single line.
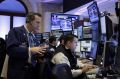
[[62, 71]]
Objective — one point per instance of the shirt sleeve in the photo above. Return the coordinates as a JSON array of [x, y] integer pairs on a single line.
[[60, 58], [76, 73], [80, 64]]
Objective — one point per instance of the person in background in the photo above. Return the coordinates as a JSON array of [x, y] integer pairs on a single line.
[[61, 39], [52, 46], [66, 54], [23, 48], [52, 43], [61, 44]]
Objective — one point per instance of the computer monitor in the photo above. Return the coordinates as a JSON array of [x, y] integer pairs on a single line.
[[67, 32], [55, 22], [78, 47], [75, 32], [45, 35], [103, 25], [93, 12], [38, 36], [57, 33], [86, 46], [63, 21], [94, 49], [80, 32], [87, 32], [108, 54], [37, 39]]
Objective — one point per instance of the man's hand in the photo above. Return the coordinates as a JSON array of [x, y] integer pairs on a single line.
[[90, 66], [38, 50], [85, 69]]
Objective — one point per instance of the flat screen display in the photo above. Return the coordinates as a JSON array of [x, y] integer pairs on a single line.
[[87, 32], [77, 50], [45, 35], [67, 32], [80, 32], [57, 33], [75, 32], [103, 25], [94, 50], [38, 36], [93, 12], [63, 21], [86, 46]]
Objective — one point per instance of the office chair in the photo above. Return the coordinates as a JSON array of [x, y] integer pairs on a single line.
[[62, 71]]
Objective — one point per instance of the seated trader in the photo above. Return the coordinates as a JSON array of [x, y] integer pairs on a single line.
[[61, 39], [52, 42], [52, 46], [66, 54], [22, 48]]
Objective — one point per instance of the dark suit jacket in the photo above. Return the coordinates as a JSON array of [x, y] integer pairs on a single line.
[[17, 47]]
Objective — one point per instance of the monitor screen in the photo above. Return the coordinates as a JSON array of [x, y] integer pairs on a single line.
[[87, 32], [80, 32], [103, 25], [77, 50], [63, 21], [38, 35], [57, 33], [86, 46], [93, 50], [45, 35], [75, 32], [67, 32], [93, 12]]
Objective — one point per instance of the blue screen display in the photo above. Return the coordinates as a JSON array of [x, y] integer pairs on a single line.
[[93, 12], [63, 21]]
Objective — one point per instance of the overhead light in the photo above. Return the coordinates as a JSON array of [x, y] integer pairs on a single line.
[[47, 0]]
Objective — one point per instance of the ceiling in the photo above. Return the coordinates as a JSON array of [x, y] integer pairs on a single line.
[[103, 5], [50, 1], [72, 4]]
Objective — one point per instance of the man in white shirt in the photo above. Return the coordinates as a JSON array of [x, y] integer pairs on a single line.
[[66, 55]]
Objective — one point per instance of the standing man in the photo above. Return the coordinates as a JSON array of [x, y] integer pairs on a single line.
[[22, 48]]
